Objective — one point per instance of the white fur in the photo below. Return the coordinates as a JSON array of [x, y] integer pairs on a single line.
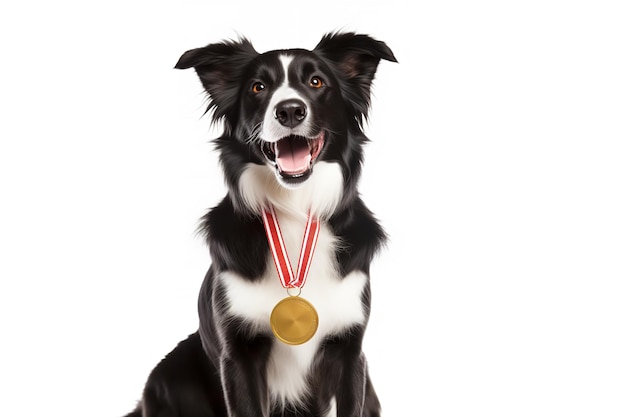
[[319, 194], [272, 130], [337, 301], [332, 410]]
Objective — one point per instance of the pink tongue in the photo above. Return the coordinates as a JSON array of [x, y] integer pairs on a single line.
[[293, 155]]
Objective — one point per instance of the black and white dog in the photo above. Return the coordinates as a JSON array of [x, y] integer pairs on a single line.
[[292, 144]]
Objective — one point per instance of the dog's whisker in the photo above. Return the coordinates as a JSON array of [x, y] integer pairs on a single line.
[[255, 134]]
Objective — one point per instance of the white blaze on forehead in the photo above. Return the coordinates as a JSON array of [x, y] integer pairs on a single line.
[[285, 60], [272, 129]]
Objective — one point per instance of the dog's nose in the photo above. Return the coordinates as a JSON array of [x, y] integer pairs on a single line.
[[290, 113]]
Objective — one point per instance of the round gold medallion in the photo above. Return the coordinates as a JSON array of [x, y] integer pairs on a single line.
[[294, 320]]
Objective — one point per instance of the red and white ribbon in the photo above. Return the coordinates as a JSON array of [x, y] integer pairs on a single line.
[[279, 252]]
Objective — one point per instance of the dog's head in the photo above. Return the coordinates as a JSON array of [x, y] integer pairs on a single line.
[[290, 110]]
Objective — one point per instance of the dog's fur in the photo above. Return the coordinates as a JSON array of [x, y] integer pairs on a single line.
[[292, 139]]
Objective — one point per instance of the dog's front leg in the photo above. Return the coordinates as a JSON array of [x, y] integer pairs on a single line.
[[352, 389], [244, 377]]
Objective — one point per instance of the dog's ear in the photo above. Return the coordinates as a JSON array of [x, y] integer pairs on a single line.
[[355, 58], [219, 67]]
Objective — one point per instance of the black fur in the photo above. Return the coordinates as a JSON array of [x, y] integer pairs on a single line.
[[220, 370]]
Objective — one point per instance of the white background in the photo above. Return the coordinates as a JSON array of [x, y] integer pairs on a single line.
[[497, 165]]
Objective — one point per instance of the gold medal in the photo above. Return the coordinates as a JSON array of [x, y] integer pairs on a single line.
[[294, 320]]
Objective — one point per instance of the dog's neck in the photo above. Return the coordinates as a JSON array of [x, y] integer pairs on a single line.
[[319, 196]]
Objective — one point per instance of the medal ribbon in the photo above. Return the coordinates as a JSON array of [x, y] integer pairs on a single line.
[[279, 253]]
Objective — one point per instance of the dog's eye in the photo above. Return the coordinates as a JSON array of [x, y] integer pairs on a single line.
[[316, 82], [258, 87]]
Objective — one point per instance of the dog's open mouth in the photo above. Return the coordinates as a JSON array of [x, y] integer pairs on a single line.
[[294, 156]]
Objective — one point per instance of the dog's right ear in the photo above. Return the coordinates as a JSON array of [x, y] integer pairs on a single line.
[[219, 67]]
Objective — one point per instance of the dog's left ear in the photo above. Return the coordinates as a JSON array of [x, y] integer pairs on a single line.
[[356, 58]]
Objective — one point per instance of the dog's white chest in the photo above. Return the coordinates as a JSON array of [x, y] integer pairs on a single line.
[[336, 299]]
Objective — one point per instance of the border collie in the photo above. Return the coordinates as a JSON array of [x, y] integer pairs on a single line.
[[291, 151]]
